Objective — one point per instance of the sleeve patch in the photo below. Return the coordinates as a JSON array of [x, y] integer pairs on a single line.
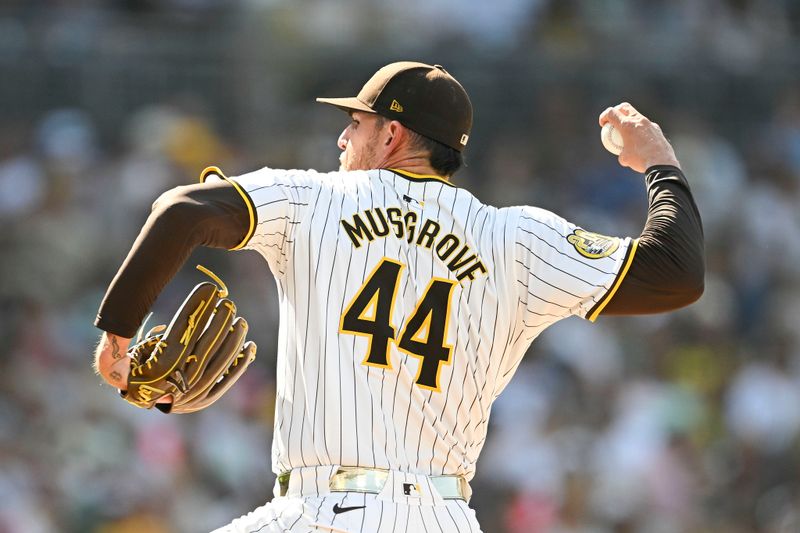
[[593, 245]]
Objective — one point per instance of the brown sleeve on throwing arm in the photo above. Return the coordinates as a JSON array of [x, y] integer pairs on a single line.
[[668, 268], [210, 214]]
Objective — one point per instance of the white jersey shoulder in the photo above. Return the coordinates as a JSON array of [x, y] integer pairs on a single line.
[[279, 200], [563, 269]]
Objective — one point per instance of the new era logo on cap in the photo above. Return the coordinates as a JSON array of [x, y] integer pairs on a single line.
[[464, 139], [396, 107]]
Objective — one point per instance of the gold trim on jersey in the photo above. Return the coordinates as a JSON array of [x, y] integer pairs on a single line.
[[251, 210], [610, 294], [421, 177]]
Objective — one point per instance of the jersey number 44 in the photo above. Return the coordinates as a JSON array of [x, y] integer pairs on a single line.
[[424, 335]]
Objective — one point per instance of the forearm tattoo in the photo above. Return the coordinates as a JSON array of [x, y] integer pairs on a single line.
[[115, 352]]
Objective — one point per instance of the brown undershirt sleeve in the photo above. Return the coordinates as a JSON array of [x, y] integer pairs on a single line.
[[669, 264], [207, 214]]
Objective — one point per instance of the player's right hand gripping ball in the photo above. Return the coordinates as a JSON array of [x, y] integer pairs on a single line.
[[612, 139], [195, 359]]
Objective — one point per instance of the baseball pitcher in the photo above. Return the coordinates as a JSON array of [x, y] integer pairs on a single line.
[[406, 303]]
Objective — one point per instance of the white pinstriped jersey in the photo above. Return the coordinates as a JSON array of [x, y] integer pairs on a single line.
[[406, 306]]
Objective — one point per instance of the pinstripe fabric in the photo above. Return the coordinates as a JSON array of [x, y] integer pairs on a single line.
[[513, 272], [315, 514]]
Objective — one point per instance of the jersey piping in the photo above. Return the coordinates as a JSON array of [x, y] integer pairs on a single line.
[[251, 210], [420, 177], [594, 313]]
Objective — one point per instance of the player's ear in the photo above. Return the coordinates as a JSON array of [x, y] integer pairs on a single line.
[[396, 134]]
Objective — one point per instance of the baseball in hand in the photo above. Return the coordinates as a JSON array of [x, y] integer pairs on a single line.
[[612, 139]]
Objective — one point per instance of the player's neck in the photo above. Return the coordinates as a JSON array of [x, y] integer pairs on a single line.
[[415, 164]]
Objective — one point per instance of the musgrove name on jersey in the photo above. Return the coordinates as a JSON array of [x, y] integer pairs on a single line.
[[458, 257]]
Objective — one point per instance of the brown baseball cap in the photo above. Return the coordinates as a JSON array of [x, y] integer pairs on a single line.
[[424, 98]]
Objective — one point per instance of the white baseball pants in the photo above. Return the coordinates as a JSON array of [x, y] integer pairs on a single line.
[[407, 503]]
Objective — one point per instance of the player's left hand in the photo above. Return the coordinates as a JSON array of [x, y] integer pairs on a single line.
[[644, 144], [189, 364], [184, 366], [112, 361]]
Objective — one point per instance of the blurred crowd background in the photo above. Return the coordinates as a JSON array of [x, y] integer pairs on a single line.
[[686, 422]]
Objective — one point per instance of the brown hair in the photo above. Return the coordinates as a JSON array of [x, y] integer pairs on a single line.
[[443, 159]]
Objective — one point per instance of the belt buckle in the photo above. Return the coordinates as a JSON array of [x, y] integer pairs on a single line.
[[358, 479]]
